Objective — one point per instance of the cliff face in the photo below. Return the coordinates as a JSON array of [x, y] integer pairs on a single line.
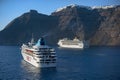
[[78, 21], [109, 31], [20, 30], [99, 26]]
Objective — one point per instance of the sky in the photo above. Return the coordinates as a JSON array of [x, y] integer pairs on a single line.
[[11, 9]]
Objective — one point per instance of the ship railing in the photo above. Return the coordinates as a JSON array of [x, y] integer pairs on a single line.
[[26, 46], [48, 60], [46, 50], [45, 53]]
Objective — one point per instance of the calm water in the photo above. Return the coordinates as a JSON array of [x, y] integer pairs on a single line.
[[95, 63]]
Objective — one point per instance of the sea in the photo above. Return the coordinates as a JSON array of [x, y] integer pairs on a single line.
[[93, 63]]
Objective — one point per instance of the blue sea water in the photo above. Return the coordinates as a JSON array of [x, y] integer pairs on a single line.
[[94, 63]]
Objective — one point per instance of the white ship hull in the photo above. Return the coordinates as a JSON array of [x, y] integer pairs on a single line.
[[35, 62], [72, 46]]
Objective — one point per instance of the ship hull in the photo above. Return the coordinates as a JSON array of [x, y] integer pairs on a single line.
[[71, 46], [30, 59]]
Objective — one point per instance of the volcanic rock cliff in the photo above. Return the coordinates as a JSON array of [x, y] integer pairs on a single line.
[[20, 30], [99, 25]]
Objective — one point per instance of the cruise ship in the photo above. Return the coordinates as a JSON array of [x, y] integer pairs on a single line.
[[75, 43], [39, 54]]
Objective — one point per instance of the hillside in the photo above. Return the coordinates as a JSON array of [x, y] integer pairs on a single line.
[[99, 25]]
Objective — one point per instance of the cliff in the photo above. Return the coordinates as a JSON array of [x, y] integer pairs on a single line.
[[99, 25]]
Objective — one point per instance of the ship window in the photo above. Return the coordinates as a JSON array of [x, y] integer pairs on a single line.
[[41, 60], [40, 56], [54, 60], [48, 60]]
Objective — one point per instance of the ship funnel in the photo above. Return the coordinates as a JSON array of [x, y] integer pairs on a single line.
[[40, 42]]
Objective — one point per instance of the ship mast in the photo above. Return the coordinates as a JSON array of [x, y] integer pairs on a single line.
[[32, 41]]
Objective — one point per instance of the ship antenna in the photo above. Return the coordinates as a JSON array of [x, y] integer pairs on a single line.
[[32, 40]]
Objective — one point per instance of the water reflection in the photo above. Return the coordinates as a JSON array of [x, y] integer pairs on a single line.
[[30, 72]]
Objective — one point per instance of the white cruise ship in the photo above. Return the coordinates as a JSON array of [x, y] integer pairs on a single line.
[[39, 54], [75, 43]]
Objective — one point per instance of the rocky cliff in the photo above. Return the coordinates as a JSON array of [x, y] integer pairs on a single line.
[[99, 25]]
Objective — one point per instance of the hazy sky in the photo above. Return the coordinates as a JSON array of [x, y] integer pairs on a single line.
[[10, 9]]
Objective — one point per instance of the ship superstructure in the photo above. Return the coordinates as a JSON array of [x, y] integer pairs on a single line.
[[39, 54]]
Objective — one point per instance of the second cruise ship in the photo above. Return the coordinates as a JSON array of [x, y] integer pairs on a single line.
[[75, 43]]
